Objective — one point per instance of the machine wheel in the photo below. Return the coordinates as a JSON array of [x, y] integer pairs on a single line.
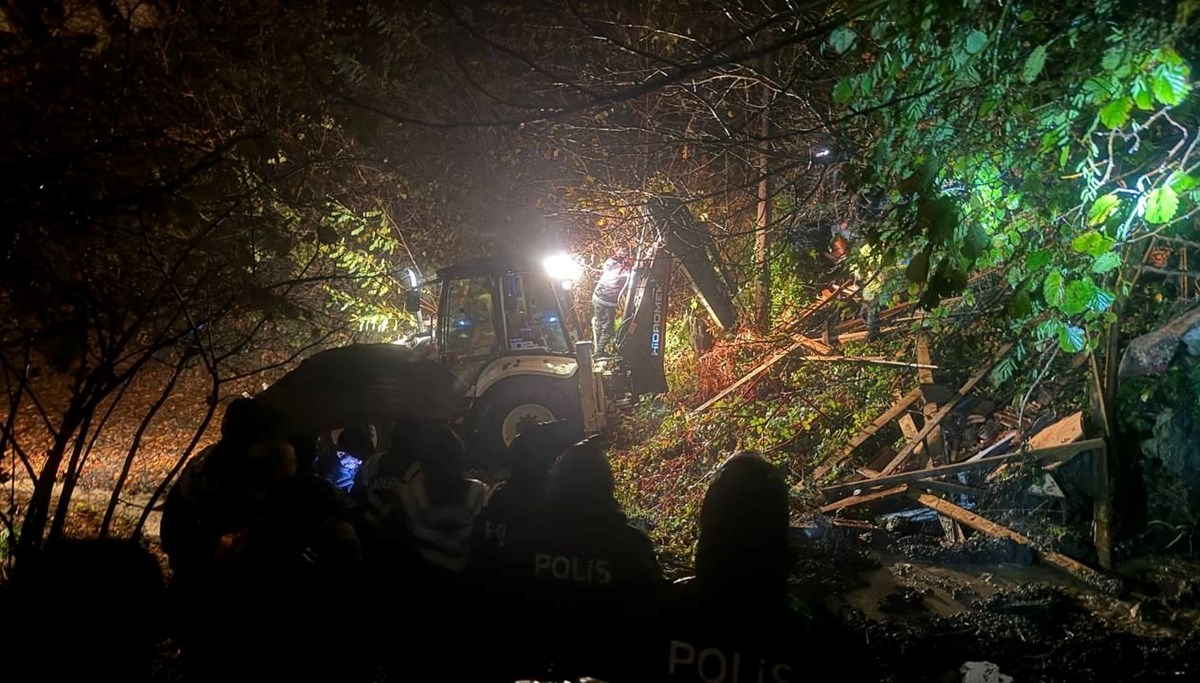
[[516, 403]]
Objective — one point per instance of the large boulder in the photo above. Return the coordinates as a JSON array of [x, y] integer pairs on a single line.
[[1152, 353]]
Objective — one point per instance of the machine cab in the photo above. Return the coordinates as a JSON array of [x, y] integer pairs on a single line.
[[498, 307]]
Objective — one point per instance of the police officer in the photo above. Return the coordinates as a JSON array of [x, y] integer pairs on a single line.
[[588, 566], [733, 621]]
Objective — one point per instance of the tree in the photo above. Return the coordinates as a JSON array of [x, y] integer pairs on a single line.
[[186, 192], [1046, 142]]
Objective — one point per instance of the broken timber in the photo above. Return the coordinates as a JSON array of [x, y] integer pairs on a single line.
[[931, 422], [797, 343], [864, 498], [890, 414], [968, 518], [1058, 453]]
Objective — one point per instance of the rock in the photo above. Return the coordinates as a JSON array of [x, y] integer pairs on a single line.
[[1152, 353], [983, 672]]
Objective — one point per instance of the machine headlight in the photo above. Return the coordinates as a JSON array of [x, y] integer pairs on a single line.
[[563, 267]]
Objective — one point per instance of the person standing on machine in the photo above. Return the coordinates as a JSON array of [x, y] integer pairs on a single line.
[[613, 279]]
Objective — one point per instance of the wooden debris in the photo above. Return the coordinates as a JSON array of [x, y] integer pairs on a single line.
[[1065, 452], [866, 359], [859, 439], [864, 498], [931, 423], [951, 487], [936, 447], [1067, 430], [968, 518], [750, 376], [910, 433]]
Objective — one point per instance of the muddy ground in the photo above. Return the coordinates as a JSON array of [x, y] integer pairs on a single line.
[[926, 609]]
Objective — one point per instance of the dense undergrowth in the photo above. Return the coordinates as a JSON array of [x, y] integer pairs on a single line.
[[797, 414]]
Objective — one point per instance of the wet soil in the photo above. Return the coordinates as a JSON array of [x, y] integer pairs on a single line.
[[927, 609]]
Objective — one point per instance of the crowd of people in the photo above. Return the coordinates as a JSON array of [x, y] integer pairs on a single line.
[[285, 568]]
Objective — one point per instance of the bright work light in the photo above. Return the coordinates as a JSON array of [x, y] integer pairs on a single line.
[[563, 267]]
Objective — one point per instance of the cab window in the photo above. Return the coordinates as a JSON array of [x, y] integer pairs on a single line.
[[469, 326], [532, 316]]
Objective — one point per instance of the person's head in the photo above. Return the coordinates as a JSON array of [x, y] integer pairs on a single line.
[[622, 255], [117, 579], [443, 460], [582, 479], [531, 455], [271, 461], [247, 421], [744, 528], [357, 440]]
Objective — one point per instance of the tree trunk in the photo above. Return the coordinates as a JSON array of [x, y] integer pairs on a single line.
[[762, 235], [33, 528], [71, 478], [183, 458], [113, 499]]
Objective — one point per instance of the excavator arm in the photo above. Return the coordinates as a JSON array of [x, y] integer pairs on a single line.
[[670, 233]]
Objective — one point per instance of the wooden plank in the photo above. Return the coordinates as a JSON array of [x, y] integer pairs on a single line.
[[859, 439], [749, 377], [932, 422], [984, 525], [952, 487], [864, 498], [934, 444], [798, 342], [812, 344], [909, 428], [863, 359], [1067, 430], [1065, 452]]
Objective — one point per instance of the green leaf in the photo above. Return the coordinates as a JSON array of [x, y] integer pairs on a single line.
[[1106, 262], [1020, 306], [975, 41], [326, 234], [1141, 95], [1116, 113], [1052, 289], [1038, 259], [1113, 57], [1102, 208], [1101, 300], [841, 39], [1071, 338], [1161, 205], [1034, 64], [1180, 181], [1063, 155], [976, 242], [1092, 243], [1077, 296], [918, 268], [843, 91], [1169, 85]]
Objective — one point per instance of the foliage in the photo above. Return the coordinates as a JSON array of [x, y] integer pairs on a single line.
[[1047, 140], [183, 191]]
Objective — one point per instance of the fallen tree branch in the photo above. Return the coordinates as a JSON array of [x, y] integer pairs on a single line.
[[1057, 453]]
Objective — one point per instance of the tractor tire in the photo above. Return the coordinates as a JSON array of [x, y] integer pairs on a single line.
[[514, 404]]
